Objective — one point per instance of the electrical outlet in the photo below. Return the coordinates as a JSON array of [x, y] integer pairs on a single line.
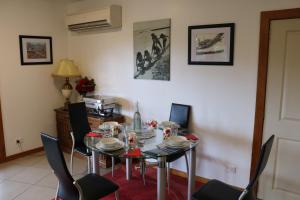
[[19, 141], [232, 169]]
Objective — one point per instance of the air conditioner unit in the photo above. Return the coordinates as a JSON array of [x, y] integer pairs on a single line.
[[110, 17]]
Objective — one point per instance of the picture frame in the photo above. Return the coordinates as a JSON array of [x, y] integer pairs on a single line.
[[151, 48], [35, 50], [211, 44]]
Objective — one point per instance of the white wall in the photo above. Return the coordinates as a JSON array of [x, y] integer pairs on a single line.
[[222, 97], [28, 93]]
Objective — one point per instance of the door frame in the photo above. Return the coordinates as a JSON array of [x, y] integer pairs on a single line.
[[2, 141], [265, 22]]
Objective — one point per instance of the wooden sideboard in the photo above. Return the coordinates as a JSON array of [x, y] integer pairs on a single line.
[[64, 128]]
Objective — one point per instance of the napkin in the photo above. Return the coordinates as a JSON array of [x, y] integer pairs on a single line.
[[191, 136], [92, 134], [134, 153]]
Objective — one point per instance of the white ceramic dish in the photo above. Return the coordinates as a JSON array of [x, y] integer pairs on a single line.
[[183, 145], [145, 136], [109, 142], [168, 124], [117, 146], [108, 125], [176, 140]]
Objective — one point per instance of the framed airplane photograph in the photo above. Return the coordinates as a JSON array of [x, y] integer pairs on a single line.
[[211, 44]]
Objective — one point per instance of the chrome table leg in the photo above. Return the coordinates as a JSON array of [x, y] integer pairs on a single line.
[[95, 162], [117, 195], [128, 168], [192, 166], [89, 165], [112, 166], [168, 176], [161, 178]]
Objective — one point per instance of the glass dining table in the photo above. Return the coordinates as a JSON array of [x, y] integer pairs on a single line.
[[150, 148]]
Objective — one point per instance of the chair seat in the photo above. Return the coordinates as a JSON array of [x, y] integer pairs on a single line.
[[82, 149], [94, 186], [175, 156], [217, 190]]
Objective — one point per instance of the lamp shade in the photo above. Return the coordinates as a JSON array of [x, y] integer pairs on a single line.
[[66, 68]]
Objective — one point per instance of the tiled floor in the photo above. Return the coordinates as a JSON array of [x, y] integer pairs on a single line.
[[30, 177]]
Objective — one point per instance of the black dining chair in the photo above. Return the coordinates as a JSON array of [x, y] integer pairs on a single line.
[[80, 127], [89, 187], [217, 190], [180, 115]]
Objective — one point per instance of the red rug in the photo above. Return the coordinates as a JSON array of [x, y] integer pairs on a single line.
[[135, 189]]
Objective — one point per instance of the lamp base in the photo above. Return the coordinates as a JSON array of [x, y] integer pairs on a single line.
[[66, 105], [67, 92]]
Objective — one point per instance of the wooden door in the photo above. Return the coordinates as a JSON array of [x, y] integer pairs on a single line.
[[281, 178], [2, 143]]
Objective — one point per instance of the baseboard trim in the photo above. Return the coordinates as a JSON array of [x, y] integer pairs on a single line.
[[184, 175], [198, 178], [24, 153]]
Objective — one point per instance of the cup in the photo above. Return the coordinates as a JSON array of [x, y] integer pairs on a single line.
[[174, 131], [114, 131], [167, 132]]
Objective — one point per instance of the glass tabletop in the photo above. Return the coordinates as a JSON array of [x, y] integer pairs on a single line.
[[153, 147]]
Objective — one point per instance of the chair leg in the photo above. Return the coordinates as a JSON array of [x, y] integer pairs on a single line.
[[143, 170], [187, 164], [71, 162], [112, 166], [117, 196], [72, 153], [81, 197], [168, 176], [56, 194]]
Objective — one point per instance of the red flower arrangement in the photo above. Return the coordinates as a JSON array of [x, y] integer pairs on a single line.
[[85, 85], [152, 123]]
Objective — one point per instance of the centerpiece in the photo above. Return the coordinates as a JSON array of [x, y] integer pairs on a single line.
[[85, 85]]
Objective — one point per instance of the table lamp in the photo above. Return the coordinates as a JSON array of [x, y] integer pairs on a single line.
[[66, 68]]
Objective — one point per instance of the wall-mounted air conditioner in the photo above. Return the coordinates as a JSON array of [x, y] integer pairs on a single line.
[[110, 17]]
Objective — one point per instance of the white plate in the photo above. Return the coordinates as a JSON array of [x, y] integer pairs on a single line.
[[176, 140], [108, 125], [184, 145], [109, 142], [118, 146], [145, 136]]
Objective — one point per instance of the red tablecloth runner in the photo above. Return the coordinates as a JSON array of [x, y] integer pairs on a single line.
[[133, 153], [92, 134], [191, 136]]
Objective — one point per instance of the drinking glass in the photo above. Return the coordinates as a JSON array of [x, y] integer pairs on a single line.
[[174, 131]]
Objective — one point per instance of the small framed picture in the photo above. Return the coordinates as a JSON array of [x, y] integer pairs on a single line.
[[35, 50], [211, 44]]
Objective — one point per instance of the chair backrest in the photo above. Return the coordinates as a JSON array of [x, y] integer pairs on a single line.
[[262, 162], [79, 122], [180, 114], [67, 189]]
